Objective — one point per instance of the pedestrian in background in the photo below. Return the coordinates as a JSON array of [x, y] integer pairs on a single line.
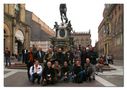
[[7, 57], [25, 55], [100, 65], [83, 56]]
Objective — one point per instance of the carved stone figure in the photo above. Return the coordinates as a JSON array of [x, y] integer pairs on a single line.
[[63, 11]]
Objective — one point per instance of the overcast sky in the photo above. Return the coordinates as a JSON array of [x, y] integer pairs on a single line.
[[83, 15]]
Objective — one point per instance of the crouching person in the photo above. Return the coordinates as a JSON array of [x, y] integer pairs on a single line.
[[88, 69], [78, 72], [57, 69], [65, 72], [35, 72], [48, 75]]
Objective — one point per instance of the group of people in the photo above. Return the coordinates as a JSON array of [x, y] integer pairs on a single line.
[[52, 73], [58, 64]]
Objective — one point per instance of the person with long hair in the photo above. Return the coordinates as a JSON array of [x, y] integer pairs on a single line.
[[30, 61]]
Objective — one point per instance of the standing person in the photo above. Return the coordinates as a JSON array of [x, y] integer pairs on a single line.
[[77, 53], [25, 54], [83, 56], [107, 60], [111, 58], [35, 72], [30, 61], [80, 48], [40, 55], [34, 50], [71, 57], [60, 56], [7, 57], [65, 55], [50, 56]]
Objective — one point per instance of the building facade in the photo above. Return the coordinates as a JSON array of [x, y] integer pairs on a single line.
[[110, 31], [16, 31], [82, 38], [40, 32]]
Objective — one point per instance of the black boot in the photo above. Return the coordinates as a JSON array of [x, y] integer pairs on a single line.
[[93, 77]]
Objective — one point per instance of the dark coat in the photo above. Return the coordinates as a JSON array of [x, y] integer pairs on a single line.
[[92, 56], [77, 69], [48, 71], [7, 53], [60, 57], [64, 70], [40, 58], [83, 57], [25, 55]]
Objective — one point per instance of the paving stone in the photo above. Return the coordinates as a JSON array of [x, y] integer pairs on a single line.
[[115, 79]]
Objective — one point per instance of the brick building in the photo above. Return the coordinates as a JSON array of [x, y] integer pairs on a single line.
[[82, 38], [110, 31], [40, 32]]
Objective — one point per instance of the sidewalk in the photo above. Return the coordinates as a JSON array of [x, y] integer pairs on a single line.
[[118, 62]]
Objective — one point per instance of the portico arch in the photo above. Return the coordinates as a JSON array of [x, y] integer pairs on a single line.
[[7, 37], [19, 40]]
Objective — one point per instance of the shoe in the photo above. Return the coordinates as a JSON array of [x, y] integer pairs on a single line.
[[38, 82], [90, 79], [93, 78], [96, 73], [33, 82]]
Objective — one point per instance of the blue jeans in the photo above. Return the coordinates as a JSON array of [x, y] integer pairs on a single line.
[[7, 60], [80, 77], [34, 76]]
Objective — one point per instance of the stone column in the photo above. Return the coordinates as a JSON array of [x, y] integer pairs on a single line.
[[27, 38], [13, 35]]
